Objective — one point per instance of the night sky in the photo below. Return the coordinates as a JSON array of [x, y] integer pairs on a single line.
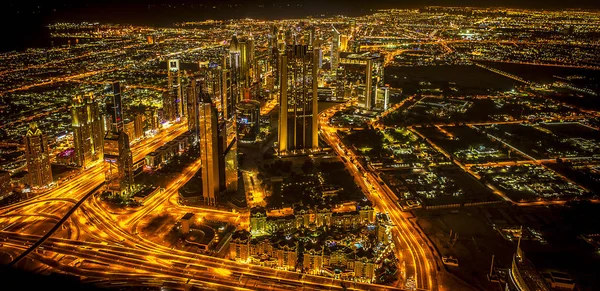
[[24, 21]]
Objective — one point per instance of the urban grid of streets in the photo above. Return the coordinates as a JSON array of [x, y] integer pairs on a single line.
[[134, 259]]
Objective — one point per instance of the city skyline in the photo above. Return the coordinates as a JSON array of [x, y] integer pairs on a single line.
[[338, 146]]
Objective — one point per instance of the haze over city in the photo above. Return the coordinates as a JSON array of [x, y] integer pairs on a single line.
[[313, 145]]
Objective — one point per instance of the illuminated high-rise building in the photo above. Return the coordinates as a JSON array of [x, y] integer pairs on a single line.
[[218, 144], [365, 69], [37, 156], [382, 98], [209, 151], [117, 153], [241, 50], [298, 108], [114, 106], [173, 105], [129, 129], [119, 160], [340, 84], [152, 119], [343, 43], [247, 58], [335, 50], [228, 166], [230, 88], [193, 97], [139, 125], [88, 132]]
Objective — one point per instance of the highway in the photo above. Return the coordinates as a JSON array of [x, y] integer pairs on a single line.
[[51, 231], [111, 239], [158, 265]]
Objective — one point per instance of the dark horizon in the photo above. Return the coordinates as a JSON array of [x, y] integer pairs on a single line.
[[27, 19]]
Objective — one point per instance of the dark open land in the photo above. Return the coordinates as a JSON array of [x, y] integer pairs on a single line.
[[475, 244], [469, 80], [547, 74], [582, 78], [475, 110], [477, 240], [573, 130]]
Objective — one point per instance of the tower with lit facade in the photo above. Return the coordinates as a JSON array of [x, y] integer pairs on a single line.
[[117, 153], [173, 105], [114, 107], [37, 156], [209, 151], [248, 120], [335, 50], [298, 129], [228, 165], [218, 145], [367, 70], [193, 97], [119, 163], [88, 132], [230, 88]]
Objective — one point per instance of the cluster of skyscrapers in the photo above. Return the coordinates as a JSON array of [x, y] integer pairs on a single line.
[[221, 105]]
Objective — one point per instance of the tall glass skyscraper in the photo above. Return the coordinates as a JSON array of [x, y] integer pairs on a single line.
[[209, 152], [119, 159], [88, 133], [298, 129], [37, 156], [114, 106], [173, 105]]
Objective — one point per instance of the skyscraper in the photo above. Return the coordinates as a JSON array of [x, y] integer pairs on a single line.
[[37, 156], [139, 125], [366, 69], [241, 50], [173, 106], [193, 94], [228, 166], [246, 58], [335, 50], [218, 143], [88, 133], [382, 98], [209, 151], [298, 99], [117, 154], [119, 160], [114, 106]]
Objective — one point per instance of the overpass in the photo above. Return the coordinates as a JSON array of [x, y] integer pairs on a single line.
[[53, 229]]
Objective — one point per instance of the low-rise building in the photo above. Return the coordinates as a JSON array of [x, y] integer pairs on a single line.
[[313, 258], [364, 266], [239, 246]]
